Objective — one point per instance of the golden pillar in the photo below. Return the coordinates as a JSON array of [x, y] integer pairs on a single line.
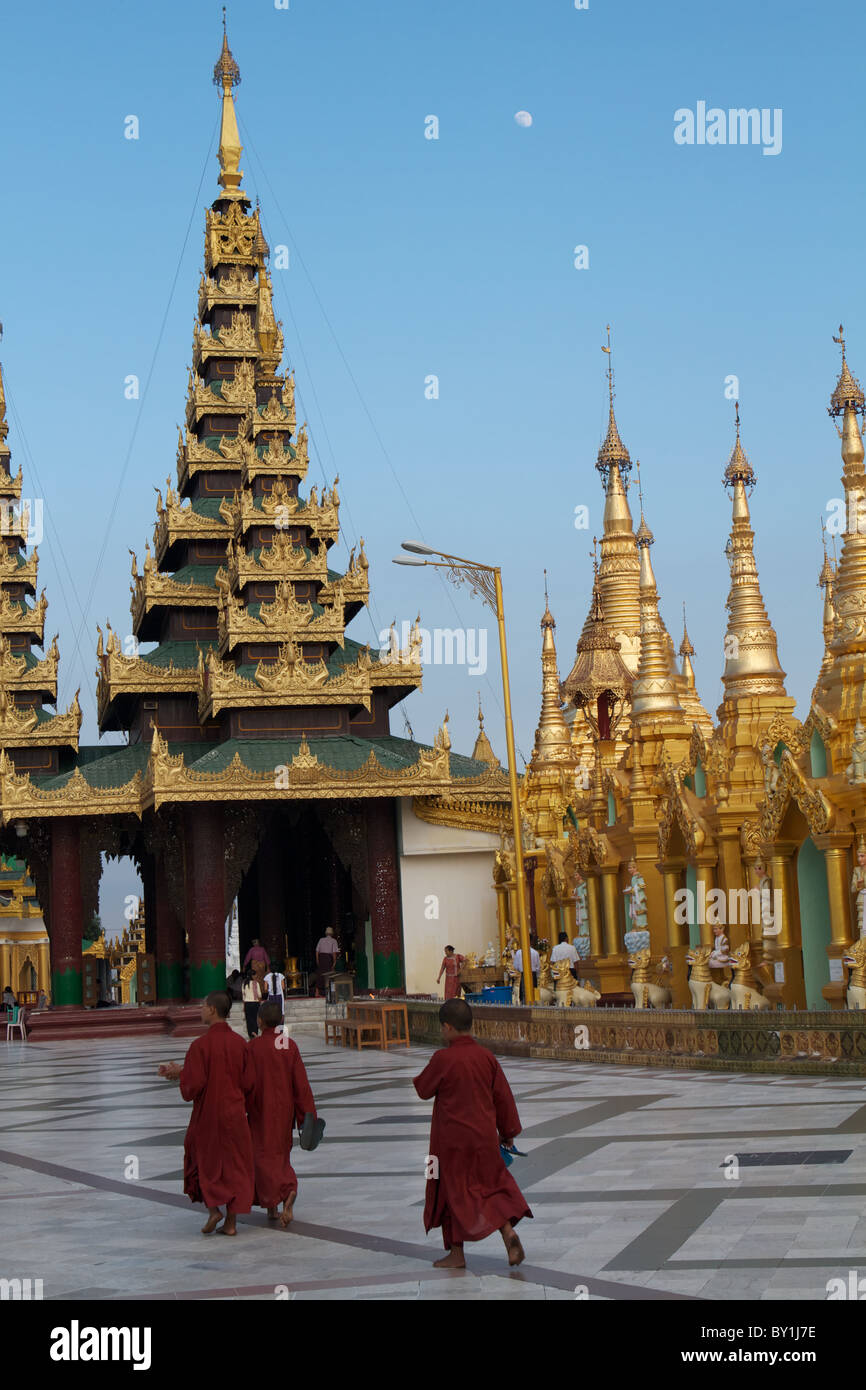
[[835, 850], [783, 950], [43, 968], [593, 912], [6, 965], [733, 877], [677, 933], [569, 918], [502, 914], [613, 968], [704, 872]]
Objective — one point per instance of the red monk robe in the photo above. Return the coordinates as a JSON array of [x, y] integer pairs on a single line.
[[218, 1077], [474, 1194], [281, 1097]]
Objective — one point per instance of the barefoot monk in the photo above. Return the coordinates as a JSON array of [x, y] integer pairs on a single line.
[[217, 1077], [470, 1192], [281, 1097]]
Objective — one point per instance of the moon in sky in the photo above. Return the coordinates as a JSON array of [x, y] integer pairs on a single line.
[[523, 118]]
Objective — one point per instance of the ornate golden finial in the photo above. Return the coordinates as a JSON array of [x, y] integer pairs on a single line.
[[226, 75], [547, 620], [751, 655], [686, 648], [4, 427], [848, 393], [612, 451], [739, 469], [643, 535], [483, 751]]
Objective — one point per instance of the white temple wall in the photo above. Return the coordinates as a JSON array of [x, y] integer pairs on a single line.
[[446, 885]]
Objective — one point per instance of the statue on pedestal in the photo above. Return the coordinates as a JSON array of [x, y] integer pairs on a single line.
[[856, 769], [636, 906], [581, 914], [858, 887]]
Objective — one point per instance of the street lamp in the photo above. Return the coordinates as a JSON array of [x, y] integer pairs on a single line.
[[486, 582]]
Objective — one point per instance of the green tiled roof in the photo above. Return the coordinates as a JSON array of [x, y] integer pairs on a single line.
[[196, 574], [181, 653], [345, 753], [110, 766], [208, 506]]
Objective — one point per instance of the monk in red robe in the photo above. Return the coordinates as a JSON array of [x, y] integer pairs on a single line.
[[470, 1192], [280, 1098], [217, 1077]]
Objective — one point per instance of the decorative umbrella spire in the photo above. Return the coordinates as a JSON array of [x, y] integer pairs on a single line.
[[612, 451], [483, 750], [226, 75], [654, 691], [687, 651], [552, 737], [752, 660]]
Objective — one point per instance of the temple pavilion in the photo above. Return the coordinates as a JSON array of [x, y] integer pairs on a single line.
[[259, 763]]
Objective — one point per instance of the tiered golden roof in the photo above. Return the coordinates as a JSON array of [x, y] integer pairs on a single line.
[[27, 682]]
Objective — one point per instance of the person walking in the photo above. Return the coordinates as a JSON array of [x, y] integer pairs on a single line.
[[218, 1077], [327, 950], [275, 986], [280, 1098], [470, 1192], [252, 994], [256, 952], [451, 966]]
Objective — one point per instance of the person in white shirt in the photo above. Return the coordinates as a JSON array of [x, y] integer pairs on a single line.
[[275, 984], [564, 950], [534, 962]]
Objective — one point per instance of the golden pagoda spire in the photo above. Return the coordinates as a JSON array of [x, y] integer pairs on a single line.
[[483, 751], [752, 660], [654, 691], [687, 651], [4, 426], [827, 582], [618, 575], [850, 588], [227, 74], [552, 738], [612, 451]]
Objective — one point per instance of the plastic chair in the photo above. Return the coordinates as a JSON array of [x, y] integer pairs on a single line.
[[16, 1021]]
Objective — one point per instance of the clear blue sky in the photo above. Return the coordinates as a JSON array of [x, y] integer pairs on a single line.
[[412, 257]]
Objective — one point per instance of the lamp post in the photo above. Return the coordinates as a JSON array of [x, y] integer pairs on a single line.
[[486, 582]]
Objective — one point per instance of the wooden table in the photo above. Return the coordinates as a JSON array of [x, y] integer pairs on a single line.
[[389, 1012]]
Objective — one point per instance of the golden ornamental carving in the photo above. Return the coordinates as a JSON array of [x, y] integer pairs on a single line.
[[230, 237], [21, 798], [21, 727], [279, 619], [750, 839], [10, 488], [16, 616], [236, 287], [18, 571], [280, 509], [276, 457], [285, 682], [167, 779], [134, 675], [176, 522], [15, 674], [787, 731], [490, 814], [792, 784], [155, 590]]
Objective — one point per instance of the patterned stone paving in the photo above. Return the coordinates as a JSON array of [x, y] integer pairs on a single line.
[[629, 1173]]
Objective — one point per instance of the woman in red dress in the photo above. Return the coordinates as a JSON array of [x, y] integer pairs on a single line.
[[452, 965]]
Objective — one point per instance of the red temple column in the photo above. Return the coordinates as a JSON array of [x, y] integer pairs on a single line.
[[204, 852], [168, 939], [67, 914], [271, 932], [383, 875]]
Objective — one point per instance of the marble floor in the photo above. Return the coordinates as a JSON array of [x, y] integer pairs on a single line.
[[644, 1184]]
